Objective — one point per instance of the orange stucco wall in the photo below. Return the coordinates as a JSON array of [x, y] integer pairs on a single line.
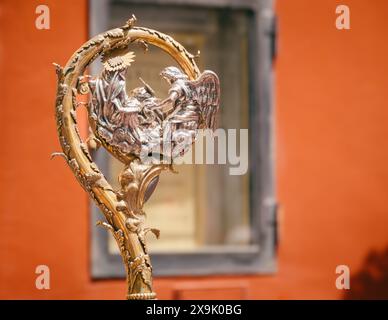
[[331, 162]]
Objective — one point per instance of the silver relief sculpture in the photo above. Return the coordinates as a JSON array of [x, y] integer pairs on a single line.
[[139, 123]]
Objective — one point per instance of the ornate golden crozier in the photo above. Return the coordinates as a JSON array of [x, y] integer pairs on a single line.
[[138, 129]]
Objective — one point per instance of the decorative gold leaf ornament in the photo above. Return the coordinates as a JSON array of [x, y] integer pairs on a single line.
[[118, 60]]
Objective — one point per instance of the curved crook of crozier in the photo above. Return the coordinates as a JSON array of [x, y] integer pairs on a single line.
[[123, 210]]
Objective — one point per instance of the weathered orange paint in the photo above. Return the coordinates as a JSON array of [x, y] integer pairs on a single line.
[[331, 157]]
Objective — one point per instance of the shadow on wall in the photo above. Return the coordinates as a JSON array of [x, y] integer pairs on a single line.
[[371, 282]]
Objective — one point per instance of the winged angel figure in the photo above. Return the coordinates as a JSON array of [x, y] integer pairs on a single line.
[[141, 124]]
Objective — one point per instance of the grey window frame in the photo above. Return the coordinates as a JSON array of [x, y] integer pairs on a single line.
[[260, 257]]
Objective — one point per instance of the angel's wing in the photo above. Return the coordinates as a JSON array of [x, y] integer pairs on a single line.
[[206, 93]]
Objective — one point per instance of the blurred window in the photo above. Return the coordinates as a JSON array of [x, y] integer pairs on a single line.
[[209, 219]]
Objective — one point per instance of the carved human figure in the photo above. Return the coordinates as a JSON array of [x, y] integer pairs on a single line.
[[184, 109]]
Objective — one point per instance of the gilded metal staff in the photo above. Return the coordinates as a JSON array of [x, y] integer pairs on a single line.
[[131, 126]]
